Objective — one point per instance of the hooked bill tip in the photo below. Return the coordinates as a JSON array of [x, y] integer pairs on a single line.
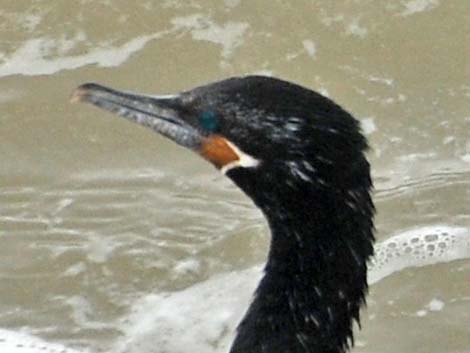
[[81, 92], [77, 95]]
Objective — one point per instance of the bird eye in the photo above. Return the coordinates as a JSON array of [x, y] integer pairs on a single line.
[[208, 121]]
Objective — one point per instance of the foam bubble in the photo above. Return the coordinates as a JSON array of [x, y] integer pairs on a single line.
[[419, 247]]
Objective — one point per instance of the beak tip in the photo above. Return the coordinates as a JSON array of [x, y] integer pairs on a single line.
[[77, 95], [82, 92]]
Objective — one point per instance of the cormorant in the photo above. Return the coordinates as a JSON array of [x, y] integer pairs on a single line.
[[300, 158]]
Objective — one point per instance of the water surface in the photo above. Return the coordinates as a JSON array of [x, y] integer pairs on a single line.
[[97, 213]]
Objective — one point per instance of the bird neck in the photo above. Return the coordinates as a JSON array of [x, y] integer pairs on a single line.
[[315, 277]]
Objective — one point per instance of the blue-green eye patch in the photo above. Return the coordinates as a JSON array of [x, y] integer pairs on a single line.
[[208, 120]]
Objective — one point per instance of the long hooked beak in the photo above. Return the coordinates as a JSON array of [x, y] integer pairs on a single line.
[[163, 114], [168, 116]]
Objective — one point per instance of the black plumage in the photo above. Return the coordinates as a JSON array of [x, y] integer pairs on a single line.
[[301, 159]]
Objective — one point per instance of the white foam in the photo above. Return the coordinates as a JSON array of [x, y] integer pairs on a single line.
[[416, 6], [433, 306], [436, 305], [310, 47], [355, 29], [368, 125], [229, 35], [17, 342], [33, 57], [384, 80], [46, 55], [187, 266], [203, 317], [419, 247]]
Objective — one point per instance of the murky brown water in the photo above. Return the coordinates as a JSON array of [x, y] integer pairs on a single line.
[[96, 213]]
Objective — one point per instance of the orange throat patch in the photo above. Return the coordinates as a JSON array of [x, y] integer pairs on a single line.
[[218, 151]]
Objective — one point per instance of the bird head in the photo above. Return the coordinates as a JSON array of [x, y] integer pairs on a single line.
[[254, 129]]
